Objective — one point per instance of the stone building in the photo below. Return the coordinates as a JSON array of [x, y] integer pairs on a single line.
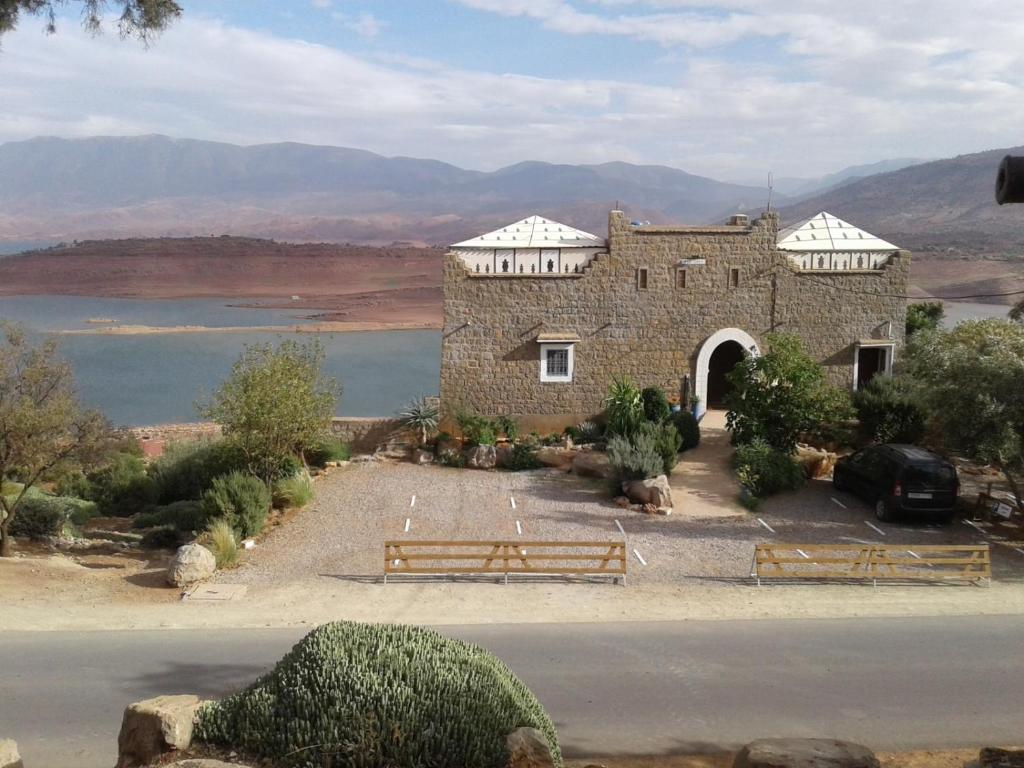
[[538, 316]]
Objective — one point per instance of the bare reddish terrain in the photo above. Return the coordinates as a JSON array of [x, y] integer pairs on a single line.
[[346, 283]]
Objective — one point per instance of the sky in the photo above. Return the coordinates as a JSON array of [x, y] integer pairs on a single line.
[[731, 89]]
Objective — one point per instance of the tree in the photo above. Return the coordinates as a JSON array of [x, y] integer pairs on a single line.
[[42, 427], [275, 405], [970, 380], [779, 395], [926, 316], [140, 18]]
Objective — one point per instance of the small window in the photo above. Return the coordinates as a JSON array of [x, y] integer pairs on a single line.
[[680, 278], [641, 279], [556, 362], [734, 277]]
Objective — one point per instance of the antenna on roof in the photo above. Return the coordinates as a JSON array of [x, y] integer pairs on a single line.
[[769, 208]]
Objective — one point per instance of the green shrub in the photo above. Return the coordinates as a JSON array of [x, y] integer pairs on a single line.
[[187, 516], [588, 432], [74, 484], [223, 543], [292, 492], [477, 430], [507, 426], [624, 408], [240, 499], [888, 412], [765, 471], [688, 428], [667, 442], [925, 316], [635, 458], [122, 487], [376, 696], [522, 457], [656, 408], [164, 537], [328, 449], [79, 511], [39, 516], [451, 459], [187, 469]]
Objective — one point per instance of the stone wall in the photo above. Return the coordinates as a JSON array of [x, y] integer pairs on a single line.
[[490, 355]]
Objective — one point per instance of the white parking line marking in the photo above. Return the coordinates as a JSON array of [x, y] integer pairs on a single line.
[[762, 522], [619, 525], [639, 557], [837, 501], [519, 528], [512, 499], [874, 527], [1019, 550], [973, 525], [408, 522], [412, 501]]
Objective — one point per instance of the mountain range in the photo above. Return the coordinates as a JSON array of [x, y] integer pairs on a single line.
[[62, 189]]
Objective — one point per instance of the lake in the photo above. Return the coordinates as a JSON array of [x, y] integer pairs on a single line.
[[155, 379]]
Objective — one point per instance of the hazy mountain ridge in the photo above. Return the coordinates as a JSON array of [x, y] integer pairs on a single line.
[[153, 185]]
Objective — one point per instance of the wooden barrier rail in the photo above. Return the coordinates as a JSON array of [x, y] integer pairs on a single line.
[[566, 558], [889, 562]]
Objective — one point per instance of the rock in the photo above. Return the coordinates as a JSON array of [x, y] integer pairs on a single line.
[[654, 491], [528, 748], [191, 563], [804, 753], [622, 501], [422, 457], [559, 458], [9, 757], [155, 726], [817, 463], [990, 757], [649, 509], [503, 455], [482, 457], [593, 464]]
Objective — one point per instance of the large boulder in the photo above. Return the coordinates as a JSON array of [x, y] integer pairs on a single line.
[[191, 563], [153, 727], [654, 491], [992, 757], [804, 753], [9, 757], [552, 456], [482, 457], [593, 464], [528, 748]]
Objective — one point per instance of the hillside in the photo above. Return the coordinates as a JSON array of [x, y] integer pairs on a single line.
[[332, 282], [60, 189]]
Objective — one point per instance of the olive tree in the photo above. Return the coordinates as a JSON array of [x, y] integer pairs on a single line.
[[139, 18], [781, 394], [42, 427], [275, 405], [971, 378]]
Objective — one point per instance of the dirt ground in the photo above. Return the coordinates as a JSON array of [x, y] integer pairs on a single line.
[[956, 758]]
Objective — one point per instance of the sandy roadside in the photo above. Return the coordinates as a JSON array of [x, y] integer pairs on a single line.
[[58, 594]]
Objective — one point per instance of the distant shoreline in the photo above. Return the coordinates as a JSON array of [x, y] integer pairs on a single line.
[[322, 327]]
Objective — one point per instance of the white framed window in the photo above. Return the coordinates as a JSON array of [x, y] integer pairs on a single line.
[[556, 363]]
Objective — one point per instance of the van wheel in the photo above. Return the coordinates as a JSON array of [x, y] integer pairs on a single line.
[[882, 511]]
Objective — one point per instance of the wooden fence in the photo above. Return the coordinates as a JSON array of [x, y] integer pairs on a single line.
[[874, 562], [567, 558]]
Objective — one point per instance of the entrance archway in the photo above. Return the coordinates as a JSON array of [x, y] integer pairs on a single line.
[[718, 354]]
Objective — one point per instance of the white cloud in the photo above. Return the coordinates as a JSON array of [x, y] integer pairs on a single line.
[[363, 24], [844, 87]]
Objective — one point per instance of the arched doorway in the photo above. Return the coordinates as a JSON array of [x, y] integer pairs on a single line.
[[718, 355], [722, 361]]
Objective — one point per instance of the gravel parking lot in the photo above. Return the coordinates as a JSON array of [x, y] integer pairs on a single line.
[[340, 536]]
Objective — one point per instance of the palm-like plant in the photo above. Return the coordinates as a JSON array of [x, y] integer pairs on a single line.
[[420, 415], [624, 407]]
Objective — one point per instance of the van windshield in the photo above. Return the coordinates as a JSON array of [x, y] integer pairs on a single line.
[[939, 475]]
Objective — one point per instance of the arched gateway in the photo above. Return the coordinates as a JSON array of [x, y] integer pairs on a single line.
[[718, 354]]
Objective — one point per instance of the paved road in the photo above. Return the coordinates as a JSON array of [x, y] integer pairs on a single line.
[[611, 688]]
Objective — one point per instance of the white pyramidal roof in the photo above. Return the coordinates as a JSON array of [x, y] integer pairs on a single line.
[[534, 232], [826, 232]]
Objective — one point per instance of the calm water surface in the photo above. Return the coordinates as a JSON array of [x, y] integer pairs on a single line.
[[156, 379]]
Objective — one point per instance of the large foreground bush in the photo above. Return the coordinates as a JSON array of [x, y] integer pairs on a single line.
[[889, 411], [765, 471], [688, 427], [187, 469], [377, 696]]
